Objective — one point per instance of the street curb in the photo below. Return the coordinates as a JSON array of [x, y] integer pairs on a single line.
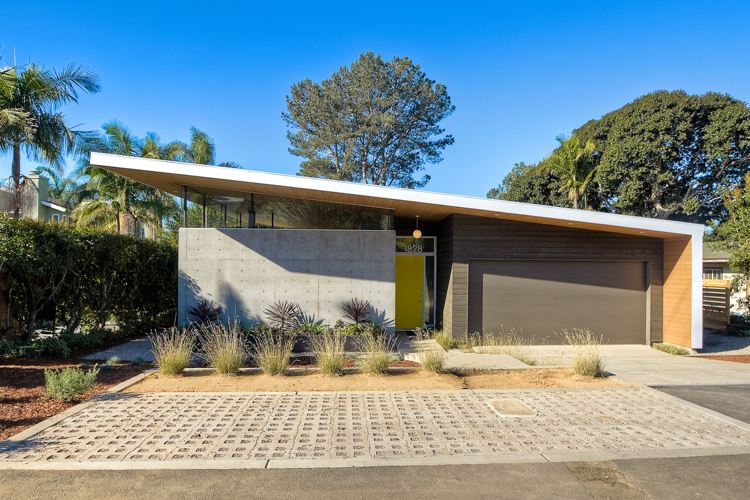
[[138, 465], [337, 463]]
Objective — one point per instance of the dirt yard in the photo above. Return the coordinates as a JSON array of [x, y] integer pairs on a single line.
[[23, 401], [204, 380], [737, 358]]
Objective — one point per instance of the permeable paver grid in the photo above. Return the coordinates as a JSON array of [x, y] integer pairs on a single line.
[[366, 425]]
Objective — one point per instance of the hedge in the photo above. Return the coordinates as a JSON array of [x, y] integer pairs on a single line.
[[76, 276]]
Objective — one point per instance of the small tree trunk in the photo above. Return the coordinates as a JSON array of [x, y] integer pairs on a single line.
[[16, 173], [30, 326]]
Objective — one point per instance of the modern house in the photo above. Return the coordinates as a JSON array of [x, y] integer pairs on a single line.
[[460, 263]]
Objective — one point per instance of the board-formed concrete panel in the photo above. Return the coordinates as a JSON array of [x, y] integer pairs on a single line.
[[247, 270]]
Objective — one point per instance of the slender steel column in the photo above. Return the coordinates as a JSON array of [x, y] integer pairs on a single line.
[[205, 213], [225, 215], [184, 205], [251, 212]]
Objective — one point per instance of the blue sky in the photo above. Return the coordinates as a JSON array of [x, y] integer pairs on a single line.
[[519, 73]]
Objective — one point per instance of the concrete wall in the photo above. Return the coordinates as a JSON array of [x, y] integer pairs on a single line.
[[246, 270]]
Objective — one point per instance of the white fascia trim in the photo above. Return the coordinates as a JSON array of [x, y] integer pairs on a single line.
[[384, 192], [696, 334], [53, 205]]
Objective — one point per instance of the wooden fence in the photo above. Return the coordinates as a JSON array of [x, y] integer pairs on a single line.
[[716, 306]]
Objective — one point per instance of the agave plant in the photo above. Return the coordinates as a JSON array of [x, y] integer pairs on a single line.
[[204, 312], [356, 310], [283, 315]]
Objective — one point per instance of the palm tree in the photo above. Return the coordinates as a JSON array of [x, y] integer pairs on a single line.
[[110, 200], [62, 188], [29, 114], [201, 148], [573, 163]]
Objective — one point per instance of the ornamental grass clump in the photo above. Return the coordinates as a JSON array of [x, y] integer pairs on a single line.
[[223, 347], [431, 353], [271, 351], [329, 350], [69, 382], [172, 349], [376, 352], [586, 358]]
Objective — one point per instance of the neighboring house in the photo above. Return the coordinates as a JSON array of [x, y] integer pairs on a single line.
[[460, 263], [35, 200], [716, 267]]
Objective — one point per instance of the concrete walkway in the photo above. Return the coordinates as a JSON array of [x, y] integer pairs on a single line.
[[133, 350], [344, 429]]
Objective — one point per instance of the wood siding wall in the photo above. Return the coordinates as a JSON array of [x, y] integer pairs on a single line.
[[678, 291], [464, 238]]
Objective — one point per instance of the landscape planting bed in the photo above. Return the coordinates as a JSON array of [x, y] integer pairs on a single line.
[[23, 401], [205, 380]]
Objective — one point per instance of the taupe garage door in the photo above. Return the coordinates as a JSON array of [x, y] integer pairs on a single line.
[[541, 297]]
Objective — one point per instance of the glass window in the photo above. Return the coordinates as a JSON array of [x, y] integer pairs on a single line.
[[712, 273], [265, 211]]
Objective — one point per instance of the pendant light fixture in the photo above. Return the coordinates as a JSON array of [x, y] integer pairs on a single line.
[[417, 233]]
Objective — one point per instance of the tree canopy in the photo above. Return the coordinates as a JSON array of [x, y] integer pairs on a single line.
[[375, 122], [665, 155], [531, 184], [733, 235]]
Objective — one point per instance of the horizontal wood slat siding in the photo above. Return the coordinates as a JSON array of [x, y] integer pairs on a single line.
[[485, 238], [677, 291]]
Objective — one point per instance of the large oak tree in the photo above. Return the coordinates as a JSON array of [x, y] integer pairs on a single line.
[[375, 122], [665, 155]]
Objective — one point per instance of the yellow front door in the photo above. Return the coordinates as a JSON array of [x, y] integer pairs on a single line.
[[409, 291]]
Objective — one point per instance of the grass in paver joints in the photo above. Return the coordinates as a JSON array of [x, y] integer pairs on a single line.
[[69, 382], [271, 351], [586, 358], [671, 349], [377, 353], [172, 350], [505, 341], [223, 346], [329, 350]]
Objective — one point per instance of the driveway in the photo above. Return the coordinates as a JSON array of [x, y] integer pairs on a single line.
[[640, 364], [343, 429]]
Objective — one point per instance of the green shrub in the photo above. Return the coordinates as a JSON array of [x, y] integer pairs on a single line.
[[670, 349], [586, 358], [375, 353], [223, 346], [69, 382], [271, 351], [172, 350], [79, 275], [329, 351]]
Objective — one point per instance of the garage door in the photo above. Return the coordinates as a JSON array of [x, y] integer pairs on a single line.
[[541, 297]]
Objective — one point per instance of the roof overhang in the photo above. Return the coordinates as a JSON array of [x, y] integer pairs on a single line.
[[171, 176]]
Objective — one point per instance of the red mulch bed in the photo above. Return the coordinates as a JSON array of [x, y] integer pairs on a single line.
[[24, 402], [737, 358]]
